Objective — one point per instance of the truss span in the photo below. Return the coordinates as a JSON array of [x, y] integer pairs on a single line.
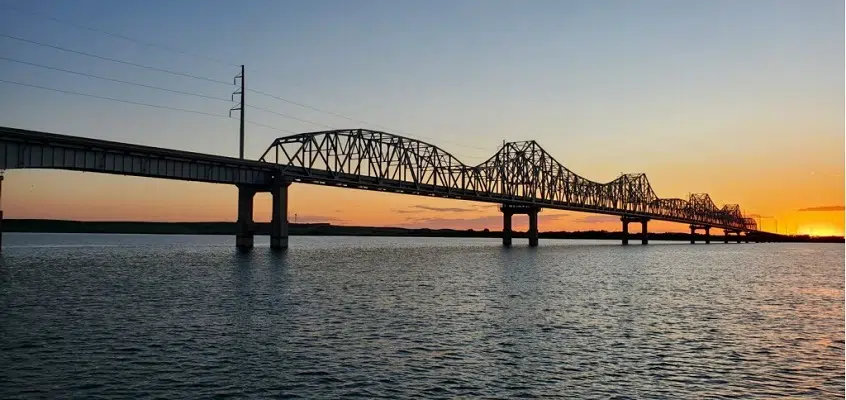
[[518, 173]]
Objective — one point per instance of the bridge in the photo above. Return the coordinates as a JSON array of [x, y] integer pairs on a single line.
[[521, 176]]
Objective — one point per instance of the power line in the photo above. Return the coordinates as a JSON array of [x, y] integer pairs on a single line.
[[114, 80], [185, 75], [292, 117], [151, 87], [112, 99], [117, 35], [219, 81], [115, 60], [314, 108], [139, 103], [270, 127], [338, 115], [353, 119]]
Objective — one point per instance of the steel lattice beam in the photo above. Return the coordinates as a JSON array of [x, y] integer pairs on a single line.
[[519, 173]]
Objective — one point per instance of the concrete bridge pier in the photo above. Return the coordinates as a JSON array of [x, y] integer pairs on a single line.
[[244, 237], [245, 233], [533, 228], [727, 235], [694, 228], [644, 238], [506, 228], [279, 219], [508, 211]]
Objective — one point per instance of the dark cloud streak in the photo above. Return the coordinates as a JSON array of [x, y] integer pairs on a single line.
[[822, 208], [446, 209], [420, 207], [596, 219], [315, 219]]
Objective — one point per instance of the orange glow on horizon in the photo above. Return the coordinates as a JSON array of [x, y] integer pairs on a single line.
[[90, 197], [819, 229]]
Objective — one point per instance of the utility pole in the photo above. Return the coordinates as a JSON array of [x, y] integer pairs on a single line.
[[240, 107]]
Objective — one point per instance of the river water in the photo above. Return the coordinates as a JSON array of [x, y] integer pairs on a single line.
[[138, 316]]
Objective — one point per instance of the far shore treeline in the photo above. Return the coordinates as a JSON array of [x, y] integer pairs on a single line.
[[325, 229]]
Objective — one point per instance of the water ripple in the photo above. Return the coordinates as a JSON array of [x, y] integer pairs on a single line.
[[167, 317]]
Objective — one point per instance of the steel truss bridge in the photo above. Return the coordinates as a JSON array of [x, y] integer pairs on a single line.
[[521, 176]]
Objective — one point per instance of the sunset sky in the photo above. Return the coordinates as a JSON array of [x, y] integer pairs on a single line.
[[743, 100]]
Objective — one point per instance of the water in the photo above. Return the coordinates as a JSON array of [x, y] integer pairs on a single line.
[[134, 316]]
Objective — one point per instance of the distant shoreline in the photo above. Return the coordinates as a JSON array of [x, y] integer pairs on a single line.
[[325, 229]]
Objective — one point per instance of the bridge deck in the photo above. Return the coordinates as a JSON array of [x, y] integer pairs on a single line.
[[31, 149]]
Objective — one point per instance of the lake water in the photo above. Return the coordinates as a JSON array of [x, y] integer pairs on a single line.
[[136, 316]]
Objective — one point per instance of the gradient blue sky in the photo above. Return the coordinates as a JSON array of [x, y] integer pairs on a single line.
[[741, 99]]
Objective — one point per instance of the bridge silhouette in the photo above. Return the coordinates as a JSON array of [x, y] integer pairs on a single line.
[[521, 176]]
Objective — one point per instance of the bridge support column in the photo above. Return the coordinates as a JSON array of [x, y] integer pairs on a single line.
[[727, 235], [533, 228], [506, 228], [694, 228], [508, 211], [244, 236], [644, 238], [279, 219]]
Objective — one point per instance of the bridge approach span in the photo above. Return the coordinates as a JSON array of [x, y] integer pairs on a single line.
[[21, 148]]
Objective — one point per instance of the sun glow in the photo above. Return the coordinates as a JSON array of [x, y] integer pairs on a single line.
[[819, 229]]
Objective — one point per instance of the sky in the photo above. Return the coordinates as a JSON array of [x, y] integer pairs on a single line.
[[743, 100]]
